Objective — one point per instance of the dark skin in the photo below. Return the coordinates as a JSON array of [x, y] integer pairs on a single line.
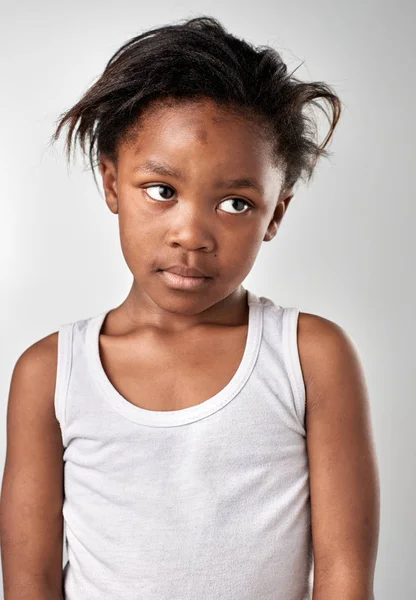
[[199, 337], [198, 226]]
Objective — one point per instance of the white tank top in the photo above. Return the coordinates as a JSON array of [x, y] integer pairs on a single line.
[[209, 501]]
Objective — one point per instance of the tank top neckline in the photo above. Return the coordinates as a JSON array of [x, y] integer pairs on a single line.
[[157, 418]]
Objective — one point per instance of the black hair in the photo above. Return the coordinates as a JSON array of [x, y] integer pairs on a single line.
[[198, 58]]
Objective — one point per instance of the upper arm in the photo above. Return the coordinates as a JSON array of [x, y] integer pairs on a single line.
[[344, 483], [31, 521]]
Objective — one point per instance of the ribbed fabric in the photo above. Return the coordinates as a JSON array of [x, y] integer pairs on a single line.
[[207, 502]]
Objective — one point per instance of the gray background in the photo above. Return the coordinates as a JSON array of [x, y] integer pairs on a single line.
[[346, 247]]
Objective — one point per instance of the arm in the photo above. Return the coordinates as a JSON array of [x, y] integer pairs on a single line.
[[344, 481], [31, 521]]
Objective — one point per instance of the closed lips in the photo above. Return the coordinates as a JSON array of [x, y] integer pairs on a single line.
[[185, 271]]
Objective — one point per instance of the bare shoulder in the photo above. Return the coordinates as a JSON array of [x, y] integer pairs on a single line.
[[30, 405], [326, 352], [39, 360], [33, 378]]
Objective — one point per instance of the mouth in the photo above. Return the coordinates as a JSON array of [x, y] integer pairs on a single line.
[[180, 282]]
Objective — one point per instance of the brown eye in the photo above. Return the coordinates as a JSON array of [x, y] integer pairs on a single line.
[[161, 189], [236, 203]]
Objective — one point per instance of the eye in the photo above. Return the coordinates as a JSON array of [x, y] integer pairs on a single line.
[[160, 187], [235, 200]]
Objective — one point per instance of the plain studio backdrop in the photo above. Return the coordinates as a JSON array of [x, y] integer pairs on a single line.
[[346, 247]]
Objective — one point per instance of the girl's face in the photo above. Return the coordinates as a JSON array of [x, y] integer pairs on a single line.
[[196, 186]]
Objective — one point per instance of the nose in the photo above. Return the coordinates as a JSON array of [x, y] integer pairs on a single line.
[[191, 230]]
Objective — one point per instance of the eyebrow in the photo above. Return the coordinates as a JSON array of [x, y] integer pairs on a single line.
[[152, 166]]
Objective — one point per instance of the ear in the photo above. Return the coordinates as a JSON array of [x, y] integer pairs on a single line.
[[283, 201], [108, 171]]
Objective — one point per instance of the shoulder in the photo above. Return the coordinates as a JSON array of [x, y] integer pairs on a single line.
[[31, 421], [328, 356], [34, 375], [39, 358]]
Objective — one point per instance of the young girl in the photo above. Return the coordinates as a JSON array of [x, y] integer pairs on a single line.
[[197, 441]]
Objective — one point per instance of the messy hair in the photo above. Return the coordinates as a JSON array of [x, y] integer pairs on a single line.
[[198, 58]]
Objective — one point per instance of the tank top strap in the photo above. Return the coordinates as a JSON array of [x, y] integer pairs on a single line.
[[290, 319], [63, 371]]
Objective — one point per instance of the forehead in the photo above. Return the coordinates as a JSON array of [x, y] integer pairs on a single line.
[[200, 121]]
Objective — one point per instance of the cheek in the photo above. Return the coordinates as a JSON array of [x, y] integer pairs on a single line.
[[241, 253], [135, 225], [136, 239]]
